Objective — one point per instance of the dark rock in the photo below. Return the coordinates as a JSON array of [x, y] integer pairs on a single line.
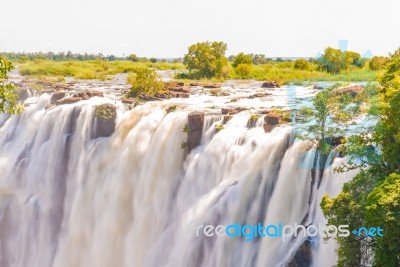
[[258, 95], [93, 93], [211, 86], [317, 87], [68, 100], [271, 121], [57, 96], [270, 84], [195, 84], [23, 94], [303, 256], [272, 118], [104, 120], [232, 111], [195, 125]]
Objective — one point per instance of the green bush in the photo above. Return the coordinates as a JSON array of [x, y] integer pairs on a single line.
[[302, 64], [241, 58], [243, 71], [145, 81]]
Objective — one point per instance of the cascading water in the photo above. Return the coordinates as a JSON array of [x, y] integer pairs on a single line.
[[136, 198]]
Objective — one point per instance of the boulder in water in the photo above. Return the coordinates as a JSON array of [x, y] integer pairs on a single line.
[[57, 96], [270, 84], [104, 120], [68, 100], [195, 125]]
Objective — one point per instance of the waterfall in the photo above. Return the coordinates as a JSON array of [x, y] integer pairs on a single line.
[[136, 198]]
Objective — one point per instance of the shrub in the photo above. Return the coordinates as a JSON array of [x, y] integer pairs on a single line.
[[301, 64], [243, 71], [241, 58], [145, 81], [377, 63]]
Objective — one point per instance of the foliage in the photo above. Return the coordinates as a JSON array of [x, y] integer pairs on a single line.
[[145, 81], [243, 71], [372, 198], [242, 58], [105, 111], [8, 96], [377, 63], [133, 58], [93, 69], [259, 59], [207, 60], [334, 60], [302, 64]]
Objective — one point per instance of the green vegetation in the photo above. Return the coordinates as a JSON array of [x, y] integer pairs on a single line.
[[207, 60], [377, 63], [105, 111], [241, 58], [334, 60], [372, 198], [218, 127], [302, 64], [145, 81], [8, 96], [92, 69]]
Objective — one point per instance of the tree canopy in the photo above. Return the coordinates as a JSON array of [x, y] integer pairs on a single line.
[[8, 97], [207, 60]]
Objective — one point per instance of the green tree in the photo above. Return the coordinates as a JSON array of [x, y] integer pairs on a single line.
[[377, 63], [331, 60], [133, 58], [207, 60], [145, 81], [243, 71], [302, 64], [372, 198], [8, 96], [241, 58]]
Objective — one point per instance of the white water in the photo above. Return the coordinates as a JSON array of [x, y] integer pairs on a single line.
[[132, 199]]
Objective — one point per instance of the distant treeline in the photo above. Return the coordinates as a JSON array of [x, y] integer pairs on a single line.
[[62, 56]]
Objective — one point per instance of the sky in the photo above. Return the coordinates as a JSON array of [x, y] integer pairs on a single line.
[[165, 28]]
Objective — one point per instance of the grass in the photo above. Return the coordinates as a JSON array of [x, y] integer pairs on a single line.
[[93, 69], [282, 72]]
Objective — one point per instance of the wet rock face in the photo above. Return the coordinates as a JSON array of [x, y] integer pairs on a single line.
[[104, 121], [271, 121], [270, 84], [23, 94], [68, 100], [57, 96], [195, 125], [303, 256]]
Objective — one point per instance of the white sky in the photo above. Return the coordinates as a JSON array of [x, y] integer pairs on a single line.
[[161, 28]]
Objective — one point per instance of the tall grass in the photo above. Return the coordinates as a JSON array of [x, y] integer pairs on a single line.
[[94, 69]]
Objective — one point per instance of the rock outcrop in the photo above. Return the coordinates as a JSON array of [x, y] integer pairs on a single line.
[[354, 90], [273, 119], [303, 256], [68, 100], [270, 84], [104, 120], [195, 126], [231, 111], [57, 96]]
